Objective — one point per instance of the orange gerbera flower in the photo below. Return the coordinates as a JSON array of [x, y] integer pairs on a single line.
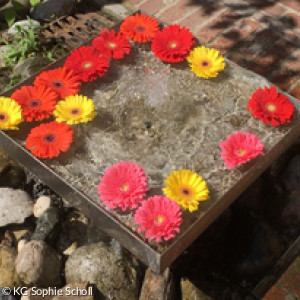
[[61, 80], [140, 27], [48, 140], [37, 102]]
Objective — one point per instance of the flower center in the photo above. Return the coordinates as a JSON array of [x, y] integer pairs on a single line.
[[57, 84], [124, 187], [3, 117], [205, 63], [173, 45], [49, 138], [112, 45], [75, 111], [241, 151], [87, 64], [160, 218], [271, 107], [186, 192], [34, 103], [140, 28]]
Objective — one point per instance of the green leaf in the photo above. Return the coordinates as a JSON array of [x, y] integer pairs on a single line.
[[10, 16], [35, 2], [17, 5]]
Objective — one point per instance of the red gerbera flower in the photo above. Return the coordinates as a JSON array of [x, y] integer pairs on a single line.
[[61, 80], [172, 44], [123, 185], [37, 102], [87, 63], [112, 45], [240, 148], [140, 27], [270, 106], [48, 140], [159, 217]]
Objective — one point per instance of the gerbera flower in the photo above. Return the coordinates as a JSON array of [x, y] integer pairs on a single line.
[[112, 45], [10, 113], [172, 44], [140, 27], [186, 188], [87, 63], [37, 102], [75, 109], [49, 139], [123, 185], [205, 62], [159, 217], [270, 106], [61, 80], [240, 148]]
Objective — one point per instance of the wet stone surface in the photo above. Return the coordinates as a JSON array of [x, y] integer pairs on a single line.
[[164, 118]]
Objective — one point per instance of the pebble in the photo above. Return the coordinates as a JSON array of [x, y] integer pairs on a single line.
[[8, 275], [98, 264], [16, 206], [41, 205], [37, 264]]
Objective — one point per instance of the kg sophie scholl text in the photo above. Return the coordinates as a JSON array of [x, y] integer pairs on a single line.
[[53, 291]]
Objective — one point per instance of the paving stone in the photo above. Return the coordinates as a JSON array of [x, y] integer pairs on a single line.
[[151, 6], [183, 8], [296, 92], [293, 4], [275, 10], [284, 79], [217, 26]]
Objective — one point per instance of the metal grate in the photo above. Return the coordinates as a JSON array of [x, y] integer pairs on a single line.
[[73, 31]]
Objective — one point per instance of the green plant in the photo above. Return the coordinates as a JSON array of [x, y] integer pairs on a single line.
[[10, 13], [35, 2], [25, 44]]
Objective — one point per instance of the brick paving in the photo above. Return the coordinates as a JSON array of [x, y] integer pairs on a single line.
[[260, 35]]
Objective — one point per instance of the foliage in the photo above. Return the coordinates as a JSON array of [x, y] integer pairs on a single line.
[[27, 42], [29, 46], [35, 2], [11, 13]]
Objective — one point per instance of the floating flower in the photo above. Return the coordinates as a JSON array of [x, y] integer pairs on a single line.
[[61, 80], [205, 62], [37, 102], [10, 113], [159, 217], [75, 109], [140, 27], [240, 148], [123, 185], [172, 44], [87, 63], [270, 106], [186, 188], [111, 44], [49, 139]]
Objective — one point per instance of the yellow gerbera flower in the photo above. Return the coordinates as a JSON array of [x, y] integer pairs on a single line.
[[75, 109], [10, 113], [186, 188], [205, 62]]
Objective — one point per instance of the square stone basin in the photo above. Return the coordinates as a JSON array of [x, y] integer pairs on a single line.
[[164, 118]]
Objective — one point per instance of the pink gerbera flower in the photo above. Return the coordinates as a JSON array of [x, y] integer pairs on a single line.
[[159, 217], [240, 148], [123, 185]]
